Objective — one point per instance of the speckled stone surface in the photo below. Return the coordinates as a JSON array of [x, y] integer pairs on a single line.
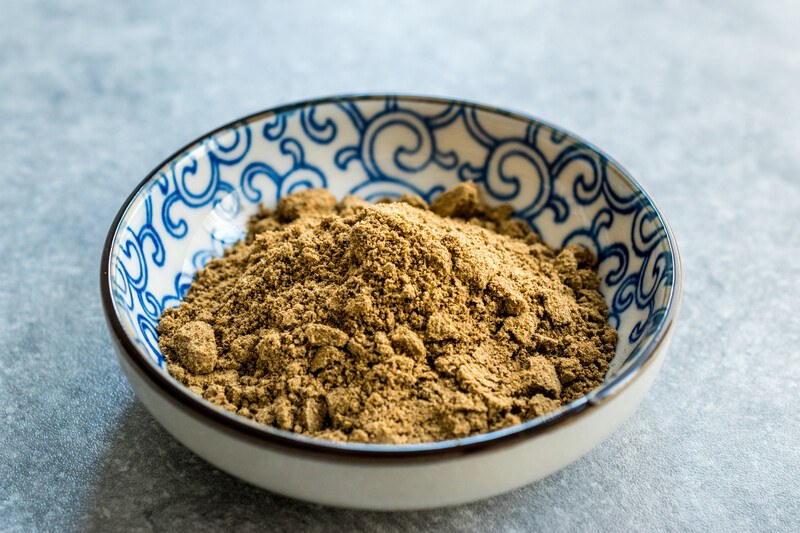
[[701, 103]]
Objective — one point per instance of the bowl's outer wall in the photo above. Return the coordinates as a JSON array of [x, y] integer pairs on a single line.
[[391, 484]]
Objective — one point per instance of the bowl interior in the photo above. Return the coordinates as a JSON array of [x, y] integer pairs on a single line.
[[198, 202]]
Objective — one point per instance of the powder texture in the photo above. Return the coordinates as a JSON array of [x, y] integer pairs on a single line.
[[396, 322]]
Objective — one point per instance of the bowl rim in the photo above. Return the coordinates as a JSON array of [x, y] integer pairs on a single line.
[[287, 440]]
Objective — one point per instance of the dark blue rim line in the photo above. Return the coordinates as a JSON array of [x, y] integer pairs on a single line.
[[291, 442]]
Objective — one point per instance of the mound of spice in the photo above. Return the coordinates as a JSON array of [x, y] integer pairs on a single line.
[[395, 322]]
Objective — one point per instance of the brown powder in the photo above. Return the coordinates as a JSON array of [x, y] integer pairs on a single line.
[[391, 323]]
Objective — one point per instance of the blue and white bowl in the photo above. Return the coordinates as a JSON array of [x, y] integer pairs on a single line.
[[197, 202]]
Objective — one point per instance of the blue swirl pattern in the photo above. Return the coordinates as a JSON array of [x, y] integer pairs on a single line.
[[198, 204]]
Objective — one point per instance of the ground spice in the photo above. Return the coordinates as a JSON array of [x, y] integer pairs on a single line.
[[396, 322]]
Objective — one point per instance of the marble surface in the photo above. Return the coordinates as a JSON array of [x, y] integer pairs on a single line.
[[700, 102]]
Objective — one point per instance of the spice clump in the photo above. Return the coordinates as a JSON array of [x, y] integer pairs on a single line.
[[395, 322]]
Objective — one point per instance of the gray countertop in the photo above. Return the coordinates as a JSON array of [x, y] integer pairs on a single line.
[[701, 103]]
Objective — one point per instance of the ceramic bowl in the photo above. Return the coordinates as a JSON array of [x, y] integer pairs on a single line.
[[196, 203]]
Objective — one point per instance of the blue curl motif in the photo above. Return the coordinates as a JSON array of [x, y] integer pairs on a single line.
[[300, 174], [321, 133], [515, 169], [131, 284], [218, 154], [408, 136], [377, 148]]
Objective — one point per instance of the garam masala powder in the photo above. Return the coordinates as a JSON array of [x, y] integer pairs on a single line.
[[396, 322]]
